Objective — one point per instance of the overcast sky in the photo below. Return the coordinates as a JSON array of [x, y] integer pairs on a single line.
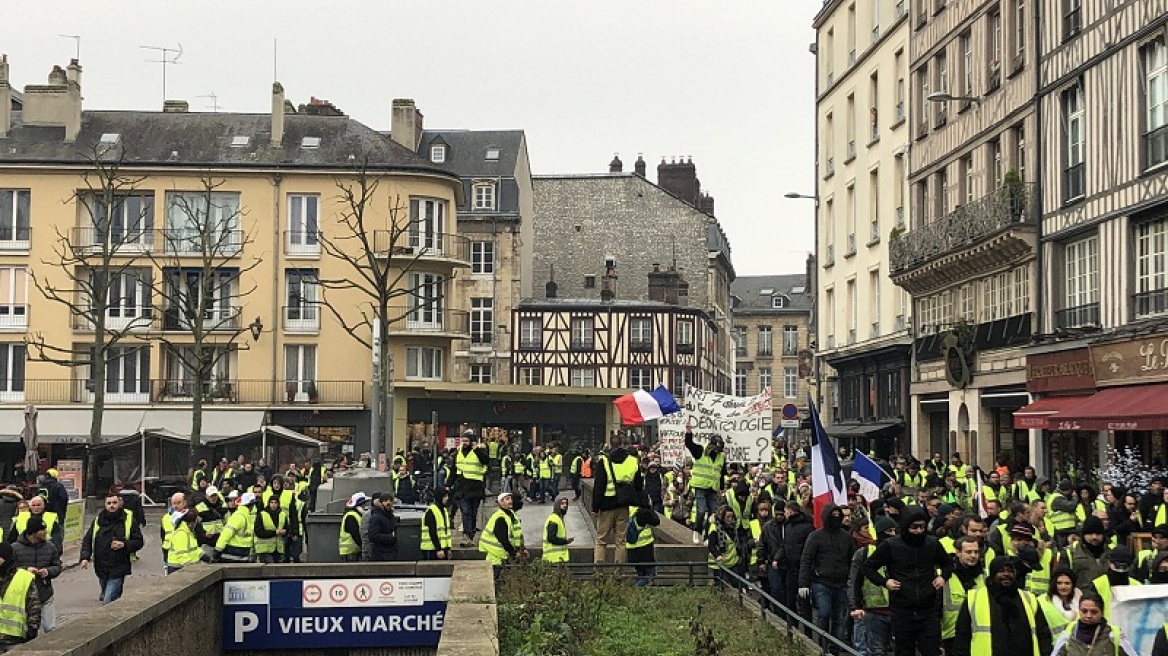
[[728, 83]]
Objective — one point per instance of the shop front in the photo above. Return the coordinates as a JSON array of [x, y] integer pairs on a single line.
[[1061, 381]]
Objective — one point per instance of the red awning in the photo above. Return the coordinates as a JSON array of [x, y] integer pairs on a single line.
[[1135, 407], [1041, 413]]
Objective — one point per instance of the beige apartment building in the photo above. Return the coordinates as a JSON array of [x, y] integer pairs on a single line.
[[968, 257], [862, 337]]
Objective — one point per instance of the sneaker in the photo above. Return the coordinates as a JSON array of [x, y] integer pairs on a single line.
[[697, 538]]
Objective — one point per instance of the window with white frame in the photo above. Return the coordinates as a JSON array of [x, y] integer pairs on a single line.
[[302, 300], [424, 363], [966, 44], [766, 341], [484, 195], [482, 257], [438, 153], [13, 297], [790, 340], [12, 358], [1021, 294], [778, 301], [1151, 289], [128, 299], [480, 373], [192, 301], [967, 302], [935, 311], [685, 334], [181, 362], [428, 225], [303, 224], [531, 376], [996, 297], [300, 372], [14, 217], [482, 321], [790, 382], [426, 301], [203, 222], [1082, 272], [1020, 27], [1074, 144], [682, 378], [764, 378], [582, 377], [874, 301], [739, 337], [583, 333], [740, 381], [530, 334], [1155, 55], [640, 332], [641, 377], [127, 374], [129, 226]]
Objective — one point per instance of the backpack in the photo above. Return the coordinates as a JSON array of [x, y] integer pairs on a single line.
[[632, 531]]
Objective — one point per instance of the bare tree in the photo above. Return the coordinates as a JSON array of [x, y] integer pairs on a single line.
[[201, 281], [379, 241], [105, 285]]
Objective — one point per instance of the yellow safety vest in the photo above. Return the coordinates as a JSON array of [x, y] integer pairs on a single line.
[[195, 478], [346, 544], [215, 526], [978, 602], [239, 532], [729, 556], [707, 471], [470, 466], [741, 510], [644, 533], [557, 464], [21, 521], [287, 498], [874, 596], [961, 473], [953, 597], [1038, 583], [1054, 618], [167, 529], [1103, 587], [622, 473], [578, 465], [13, 621], [442, 522], [274, 544], [555, 553], [489, 545], [545, 469], [492, 450], [183, 547]]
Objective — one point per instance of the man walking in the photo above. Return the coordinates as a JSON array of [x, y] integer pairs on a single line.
[[870, 603], [33, 552], [555, 534], [470, 486], [109, 543], [1001, 619], [823, 572], [503, 535], [618, 486], [21, 601], [908, 565]]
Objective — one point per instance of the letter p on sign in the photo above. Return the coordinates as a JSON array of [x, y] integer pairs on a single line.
[[245, 622]]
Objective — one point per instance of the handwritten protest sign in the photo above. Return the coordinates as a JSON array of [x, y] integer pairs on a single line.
[[1140, 611], [743, 422]]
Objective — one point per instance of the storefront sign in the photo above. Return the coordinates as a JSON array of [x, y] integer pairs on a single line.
[[333, 613], [70, 473], [1061, 371], [1143, 360]]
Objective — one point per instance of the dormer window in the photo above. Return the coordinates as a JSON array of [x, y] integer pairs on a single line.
[[310, 143], [484, 195], [240, 141], [111, 139], [493, 154], [778, 301], [438, 154]]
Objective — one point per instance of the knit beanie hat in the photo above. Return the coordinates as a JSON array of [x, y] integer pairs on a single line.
[[884, 523], [34, 524], [1093, 525]]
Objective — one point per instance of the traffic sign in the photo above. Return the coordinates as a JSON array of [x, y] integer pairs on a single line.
[[789, 423], [790, 412]]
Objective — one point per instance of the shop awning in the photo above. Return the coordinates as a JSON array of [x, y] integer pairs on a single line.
[[1041, 413], [860, 430], [1135, 407]]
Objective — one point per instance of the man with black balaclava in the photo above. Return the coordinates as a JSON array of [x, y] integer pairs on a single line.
[[908, 565], [823, 572], [1016, 626], [1119, 563]]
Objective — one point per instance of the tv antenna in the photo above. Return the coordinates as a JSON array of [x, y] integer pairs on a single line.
[[76, 42], [214, 100], [167, 56]]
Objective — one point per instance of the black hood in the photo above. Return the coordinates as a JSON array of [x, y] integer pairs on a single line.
[[618, 455]]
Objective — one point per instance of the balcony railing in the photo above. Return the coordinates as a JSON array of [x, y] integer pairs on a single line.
[[433, 321], [301, 243], [14, 238], [766, 351], [1150, 304], [1156, 147], [195, 242], [261, 392], [13, 316], [1080, 315], [214, 319], [409, 246], [1074, 182], [116, 240], [304, 318], [132, 319], [1010, 205]]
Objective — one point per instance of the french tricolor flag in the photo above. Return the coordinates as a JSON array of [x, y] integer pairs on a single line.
[[827, 477], [641, 406]]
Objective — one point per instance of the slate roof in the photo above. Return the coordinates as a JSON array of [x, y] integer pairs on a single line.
[[747, 291], [205, 139], [466, 151], [530, 303]]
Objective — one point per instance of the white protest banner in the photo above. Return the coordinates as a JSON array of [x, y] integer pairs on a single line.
[[743, 422], [1140, 611]]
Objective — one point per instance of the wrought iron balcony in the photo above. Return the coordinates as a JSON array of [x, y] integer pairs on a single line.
[[455, 322], [1080, 315], [1010, 205], [116, 240], [422, 246]]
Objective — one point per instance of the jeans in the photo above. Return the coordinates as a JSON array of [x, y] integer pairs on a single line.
[[831, 610], [576, 484], [555, 486], [645, 574], [269, 558], [916, 630], [111, 589], [48, 616], [470, 516], [776, 585], [295, 548], [707, 502], [860, 636], [878, 631], [793, 601]]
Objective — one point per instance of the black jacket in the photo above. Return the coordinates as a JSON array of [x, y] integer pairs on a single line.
[[465, 488], [600, 476], [914, 567], [39, 555], [827, 555], [96, 545], [58, 500], [697, 451], [382, 535], [795, 534], [772, 541], [1011, 632]]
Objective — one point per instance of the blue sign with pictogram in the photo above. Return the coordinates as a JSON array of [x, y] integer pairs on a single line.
[[790, 411]]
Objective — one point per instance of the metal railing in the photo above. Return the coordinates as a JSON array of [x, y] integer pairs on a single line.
[[116, 240], [301, 243], [196, 242], [15, 238], [13, 316], [303, 318], [433, 321], [1080, 315], [1007, 206], [408, 245], [214, 319], [223, 391]]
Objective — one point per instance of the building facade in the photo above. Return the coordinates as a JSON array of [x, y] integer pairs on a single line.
[[863, 341], [1097, 366], [772, 337], [596, 235]]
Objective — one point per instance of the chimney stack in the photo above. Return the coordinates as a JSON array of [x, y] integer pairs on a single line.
[[811, 274], [5, 98], [639, 166], [277, 114], [56, 104], [175, 107], [679, 178], [406, 124], [73, 72], [616, 165], [664, 286]]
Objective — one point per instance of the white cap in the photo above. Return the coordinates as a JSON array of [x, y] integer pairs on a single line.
[[234, 494], [502, 495], [211, 489], [357, 499], [246, 499]]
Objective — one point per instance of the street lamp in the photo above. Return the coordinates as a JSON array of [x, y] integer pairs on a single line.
[[941, 96], [795, 194], [256, 328]]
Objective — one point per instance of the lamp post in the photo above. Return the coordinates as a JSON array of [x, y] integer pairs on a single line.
[[813, 344], [942, 96]]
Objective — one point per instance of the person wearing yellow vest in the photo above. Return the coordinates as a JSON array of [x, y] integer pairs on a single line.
[[349, 541], [178, 504], [34, 553], [709, 476], [198, 473], [435, 539], [36, 508], [1091, 633], [212, 515], [20, 605], [1036, 561], [1061, 603], [869, 603], [183, 546], [1119, 563], [542, 486], [642, 520], [1086, 557], [1026, 488], [618, 485], [110, 541], [502, 538], [575, 471], [720, 544], [958, 468], [1146, 558], [470, 487], [238, 537], [555, 534], [557, 460], [271, 529], [968, 574], [1001, 618], [285, 492], [1060, 508]]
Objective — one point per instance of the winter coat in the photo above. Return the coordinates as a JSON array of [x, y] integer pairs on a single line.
[[9, 499], [827, 556], [465, 488], [914, 567], [96, 546], [798, 529], [599, 500], [382, 535], [40, 555], [58, 500], [772, 541]]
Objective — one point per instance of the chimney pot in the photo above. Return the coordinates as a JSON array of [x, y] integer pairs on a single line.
[[639, 166], [616, 165], [277, 137]]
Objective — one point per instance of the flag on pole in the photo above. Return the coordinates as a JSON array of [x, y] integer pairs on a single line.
[[983, 509], [827, 477], [869, 475], [641, 406]]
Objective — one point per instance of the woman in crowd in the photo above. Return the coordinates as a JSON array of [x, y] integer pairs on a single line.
[[1061, 605], [1091, 635]]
